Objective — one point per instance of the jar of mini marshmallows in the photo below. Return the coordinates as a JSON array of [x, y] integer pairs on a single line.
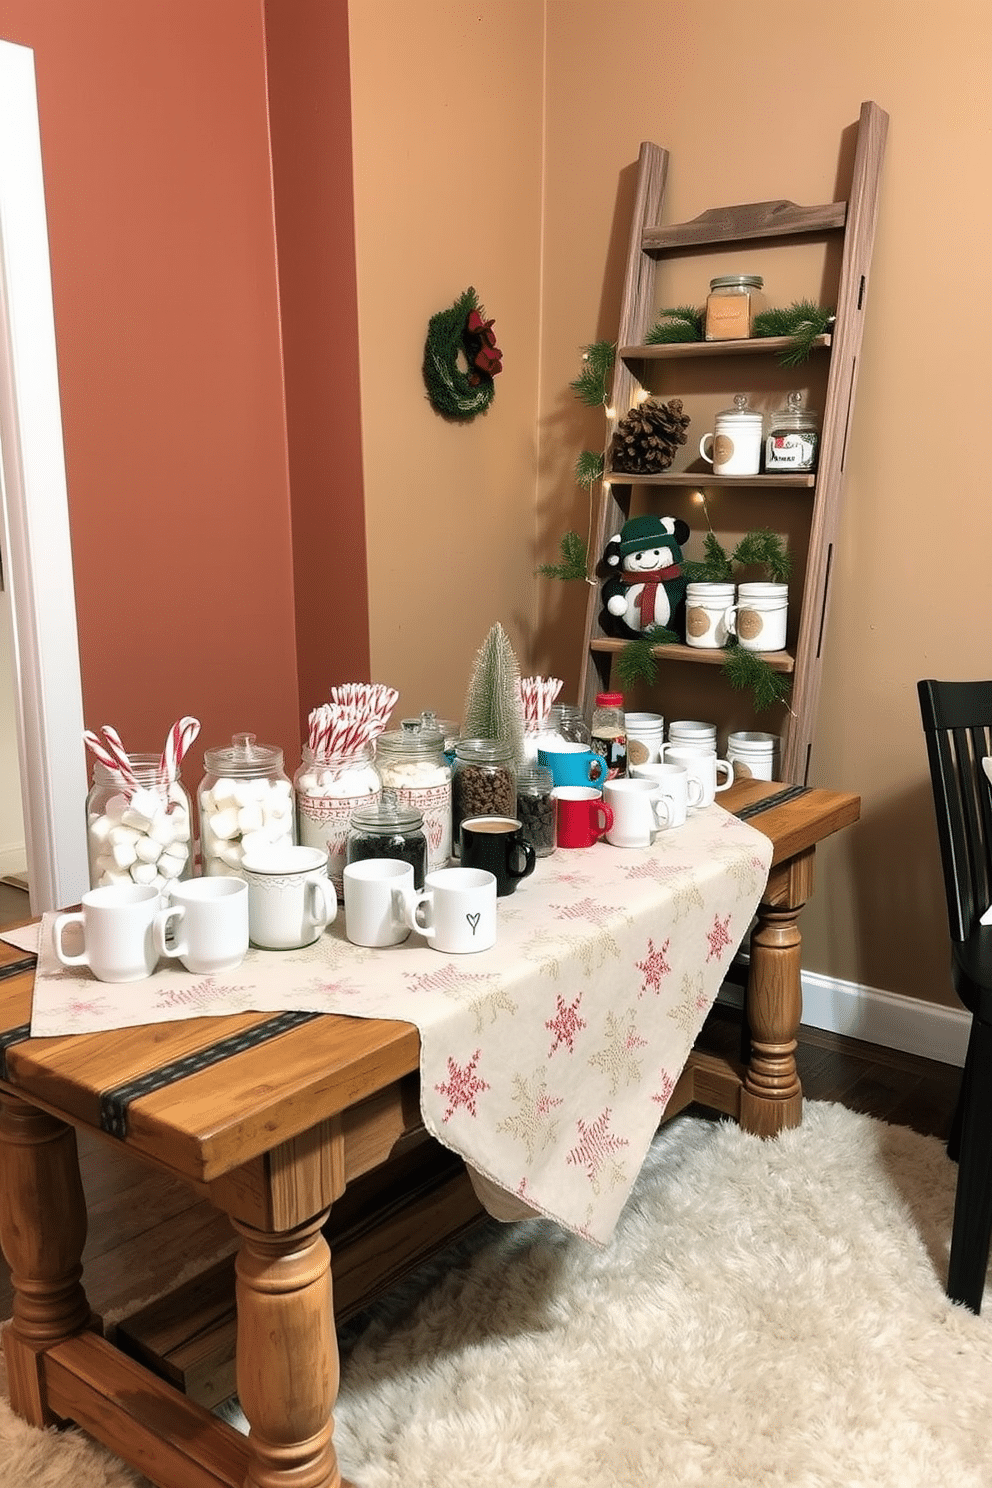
[[413, 765], [329, 787], [138, 832], [245, 802]]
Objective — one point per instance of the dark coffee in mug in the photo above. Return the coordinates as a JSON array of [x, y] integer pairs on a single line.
[[498, 845]]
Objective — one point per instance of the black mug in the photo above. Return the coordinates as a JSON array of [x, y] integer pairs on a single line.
[[497, 844]]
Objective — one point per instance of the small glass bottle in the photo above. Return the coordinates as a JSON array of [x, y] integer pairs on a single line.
[[389, 829], [566, 720], [329, 789], [609, 733], [244, 800], [412, 763], [794, 437], [536, 808], [484, 782], [138, 833]]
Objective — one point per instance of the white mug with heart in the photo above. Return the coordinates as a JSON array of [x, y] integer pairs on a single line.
[[455, 911]]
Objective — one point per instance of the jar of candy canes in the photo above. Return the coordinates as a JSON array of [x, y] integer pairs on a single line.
[[138, 830], [412, 764], [245, 801], [329, 787]]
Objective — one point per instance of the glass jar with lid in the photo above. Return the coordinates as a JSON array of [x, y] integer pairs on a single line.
[[244, 801], [413, 765], [731, 305], [536, 808], [330, 787], [388, 828], [567, 723], [140, 830], [609, 733], [484, 782], [794, 437]]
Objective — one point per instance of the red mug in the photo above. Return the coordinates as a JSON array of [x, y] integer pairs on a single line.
[[582, 815]]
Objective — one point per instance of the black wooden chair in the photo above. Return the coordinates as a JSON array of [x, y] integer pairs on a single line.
[[957, 724]]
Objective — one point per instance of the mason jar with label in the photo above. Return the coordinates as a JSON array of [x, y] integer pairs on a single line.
[[245, 800], [794, 438], [329, 788], [412, 763], [138, 831]]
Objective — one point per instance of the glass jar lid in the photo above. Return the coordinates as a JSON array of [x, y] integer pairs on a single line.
[[740, 411], [738, 281], [387, 817], [483, 751], [609, 700], [413, 740], [243, 756], [794, 415]]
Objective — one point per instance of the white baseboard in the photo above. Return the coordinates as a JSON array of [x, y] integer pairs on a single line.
[[878, 1017]]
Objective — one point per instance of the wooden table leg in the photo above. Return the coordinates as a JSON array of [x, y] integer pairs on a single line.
[[772, 1096], [42, 1231], [287, 1356]]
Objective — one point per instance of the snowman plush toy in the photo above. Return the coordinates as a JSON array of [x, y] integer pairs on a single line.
[[646, 585]]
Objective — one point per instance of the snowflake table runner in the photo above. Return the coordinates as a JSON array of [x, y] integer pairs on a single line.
[[547, 1061]]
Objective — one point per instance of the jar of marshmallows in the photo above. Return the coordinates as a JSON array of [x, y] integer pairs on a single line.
[[413, 765], [138, 829], [330, 785], [245, 801]]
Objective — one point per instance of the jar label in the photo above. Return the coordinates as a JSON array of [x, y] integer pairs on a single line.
[[795, 450]]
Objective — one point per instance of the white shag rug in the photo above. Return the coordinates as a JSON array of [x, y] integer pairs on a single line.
[[768, 1314]]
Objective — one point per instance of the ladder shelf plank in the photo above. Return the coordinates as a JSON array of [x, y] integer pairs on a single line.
[[680, 350], [779, 661]]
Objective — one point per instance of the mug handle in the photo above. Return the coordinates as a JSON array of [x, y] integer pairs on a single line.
[[694, 789], [725, 765], [730, 618], [705, 453], [596, 770], [60, 923], [413, 903], [160, 925], [322, 907], [602, 817], [661, 810], [521, 850]]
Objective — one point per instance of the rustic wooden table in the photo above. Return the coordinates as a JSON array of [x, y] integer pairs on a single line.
[[272, 1117]]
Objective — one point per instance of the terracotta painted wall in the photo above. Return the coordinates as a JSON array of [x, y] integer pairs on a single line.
[[767, 120], [159, 189], [447, 118]]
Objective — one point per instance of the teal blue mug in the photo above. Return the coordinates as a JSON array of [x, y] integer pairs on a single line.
[[573, 764]]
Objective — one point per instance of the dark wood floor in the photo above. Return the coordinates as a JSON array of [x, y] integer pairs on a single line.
[[147, 1229]]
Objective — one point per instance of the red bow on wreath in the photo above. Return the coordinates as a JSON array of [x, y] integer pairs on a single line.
[[488, 358]]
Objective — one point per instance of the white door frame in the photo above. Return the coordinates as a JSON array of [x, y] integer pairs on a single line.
[[34, 530]]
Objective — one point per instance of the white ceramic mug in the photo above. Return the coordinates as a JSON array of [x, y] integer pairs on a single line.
[[687, 733], [645, 734], [118, 932], [640, 810], [290, 897], [759, 619], [752, 755], [374, 892], [703, 767], [734, 447], [679, 790], [706, 609], [455, 911], [209, 922]]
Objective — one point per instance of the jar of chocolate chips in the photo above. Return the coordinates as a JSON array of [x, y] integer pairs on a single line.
[[536, 809], [389, 829], [484, 782]]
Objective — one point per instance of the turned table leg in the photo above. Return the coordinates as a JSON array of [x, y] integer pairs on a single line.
[[42, 1231], [772, 1096], [287, 1358]]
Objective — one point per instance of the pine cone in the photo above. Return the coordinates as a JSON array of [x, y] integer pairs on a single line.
[[646, 439]]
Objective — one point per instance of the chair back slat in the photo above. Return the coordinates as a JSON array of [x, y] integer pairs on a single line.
[[957, 725]]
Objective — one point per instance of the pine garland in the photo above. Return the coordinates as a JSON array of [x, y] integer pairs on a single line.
[[803, 321], [637, 662], [574, 559], [589, 469], [493, 709], [678, 324], [748, 672], [592, 384], [456, 394]]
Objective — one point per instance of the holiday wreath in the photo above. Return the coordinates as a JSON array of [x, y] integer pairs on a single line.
[[461, 332]]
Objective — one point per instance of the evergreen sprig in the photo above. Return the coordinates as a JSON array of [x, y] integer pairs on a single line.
[[592, 384], [637, 661], [714, 568], [764, 548], [748, 672], [679, 323], [589, 468], [574, 557], [803, 321]]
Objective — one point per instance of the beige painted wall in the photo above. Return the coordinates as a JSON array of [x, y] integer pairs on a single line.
[[447, 118], [748, 113]]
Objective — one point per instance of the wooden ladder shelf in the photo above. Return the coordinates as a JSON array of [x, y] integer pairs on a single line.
[[638, 364]]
